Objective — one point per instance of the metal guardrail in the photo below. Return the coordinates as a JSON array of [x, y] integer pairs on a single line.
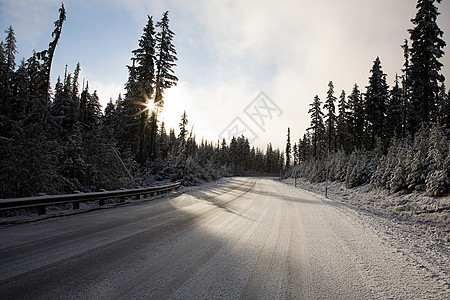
[[40, 202]]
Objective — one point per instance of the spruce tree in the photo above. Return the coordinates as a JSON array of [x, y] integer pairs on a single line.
[[330, 120], [47, 58], [394, 114], [109, 119], [356, 117], [288, 149], [64, 112], [375, 104], [295, 153], [3, 80], [144, 69], [317, 125], [342, 126], [443, 107], [129, 113], [165, 59], [425, 67], [10, 49], [182, 125], [406, 88]]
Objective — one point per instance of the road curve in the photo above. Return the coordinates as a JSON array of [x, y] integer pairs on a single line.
[[247, 238]]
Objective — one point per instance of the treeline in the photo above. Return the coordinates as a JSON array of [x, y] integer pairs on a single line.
[[392, 137], [60, 140]]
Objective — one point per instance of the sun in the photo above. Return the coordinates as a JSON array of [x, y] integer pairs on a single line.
[[173, 107], [150, 106]]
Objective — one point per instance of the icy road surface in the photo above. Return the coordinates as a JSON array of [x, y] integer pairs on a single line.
[[244, 238]]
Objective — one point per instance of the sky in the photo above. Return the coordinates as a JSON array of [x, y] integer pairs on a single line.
[[244, 67]]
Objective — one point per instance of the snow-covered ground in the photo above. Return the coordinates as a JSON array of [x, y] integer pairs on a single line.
[[415, 209], [421, 237], [249, 238]]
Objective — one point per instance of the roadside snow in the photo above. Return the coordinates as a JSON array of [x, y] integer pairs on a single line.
[[423, 238]]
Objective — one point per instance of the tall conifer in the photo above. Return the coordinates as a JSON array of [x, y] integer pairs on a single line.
[[425, 67]]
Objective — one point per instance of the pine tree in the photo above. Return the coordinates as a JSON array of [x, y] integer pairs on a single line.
[[109, 120], [317, 125], [47, 58], [144, 59], [93, 114], [144, 73], [438, 180], [165, 59], [394, 115], [3, 80], [64, 112], [330, 120], [425, 67], [356, 117], [288, 149], [8, 55], [10, 49], [295, 153], [375, 104], [163, 143], [443, 107], [342, 124], [182, 137], [2, 58], [182, 125], [406, 88], [129, 112]]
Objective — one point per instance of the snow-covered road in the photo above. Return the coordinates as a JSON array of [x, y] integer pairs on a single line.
[[243, 238]]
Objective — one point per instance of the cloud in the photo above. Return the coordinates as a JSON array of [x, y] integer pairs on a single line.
[[303, 45], [29, 19], [229, 51]]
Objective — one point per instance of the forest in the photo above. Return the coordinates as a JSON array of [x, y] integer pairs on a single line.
[[56, 140], [60, 140], [395, 138]]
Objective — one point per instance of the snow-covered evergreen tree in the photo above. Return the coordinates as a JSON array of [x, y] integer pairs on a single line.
[[376, 97], [10, 49], [343, 134], [443, 107], [394, 115], [418, 166], [165, 59], [425, 67], [356, 121], [317, 125], [295, 153], [288, 149], [438, 179], [330, 117]]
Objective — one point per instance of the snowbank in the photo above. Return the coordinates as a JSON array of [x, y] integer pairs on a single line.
[[430, 214]]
